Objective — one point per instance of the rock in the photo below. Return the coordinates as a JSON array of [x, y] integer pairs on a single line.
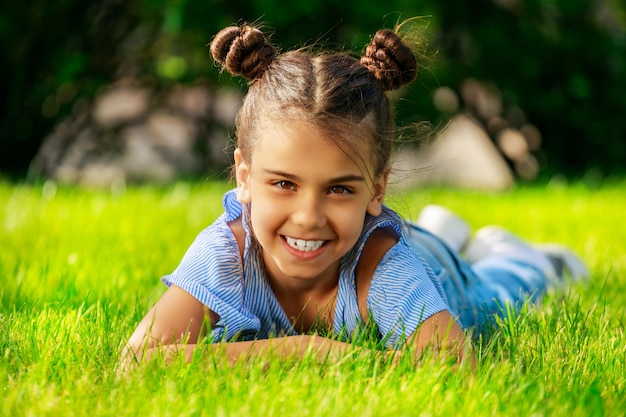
[[462, 156], [220, 147], [193, 101], [172, 133], [484, 100], [446, 100], [532, 136], [142, 160], [513, 144], [527, 167], [134, 134], [120, 105], [102, 175], [229, 101]]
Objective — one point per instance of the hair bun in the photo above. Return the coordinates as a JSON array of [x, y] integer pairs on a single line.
[[242, 51], [390, 60]]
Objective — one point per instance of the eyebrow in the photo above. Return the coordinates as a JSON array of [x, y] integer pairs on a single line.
[[344, 178]]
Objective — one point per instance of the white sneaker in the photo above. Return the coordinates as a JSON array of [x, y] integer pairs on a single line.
[[557, 261], [565, 261], [445, 224], [489, 240]]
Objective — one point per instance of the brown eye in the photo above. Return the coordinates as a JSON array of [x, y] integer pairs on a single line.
[[285, 185], [338, 189]]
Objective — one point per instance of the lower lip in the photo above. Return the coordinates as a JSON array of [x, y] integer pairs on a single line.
[[301, 254]]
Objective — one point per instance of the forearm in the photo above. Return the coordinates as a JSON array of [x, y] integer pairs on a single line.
[[283, 348], [441, 338], [456, 351]]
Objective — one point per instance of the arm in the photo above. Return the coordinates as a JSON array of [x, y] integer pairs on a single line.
[[441, 333], [176, 318], [178, 321]]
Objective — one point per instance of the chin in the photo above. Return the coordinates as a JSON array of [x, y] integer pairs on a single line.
[[304, 272]]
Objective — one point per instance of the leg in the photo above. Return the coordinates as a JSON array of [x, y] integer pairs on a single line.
[[512, 271], [480, 276]]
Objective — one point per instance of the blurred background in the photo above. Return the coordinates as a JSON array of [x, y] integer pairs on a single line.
[[115, 91]]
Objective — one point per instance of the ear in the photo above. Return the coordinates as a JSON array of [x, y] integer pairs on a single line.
[[375, 206], [242, 175]]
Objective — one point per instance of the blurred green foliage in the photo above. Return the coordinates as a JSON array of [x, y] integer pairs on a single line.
[[563, 62]]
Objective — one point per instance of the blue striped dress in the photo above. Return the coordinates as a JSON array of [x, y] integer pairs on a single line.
[[404, 290]]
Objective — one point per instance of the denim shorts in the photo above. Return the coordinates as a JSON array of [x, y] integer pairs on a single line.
[[490, 287]]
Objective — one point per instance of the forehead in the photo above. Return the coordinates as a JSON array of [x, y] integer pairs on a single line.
[[348, 139], [297, 143]]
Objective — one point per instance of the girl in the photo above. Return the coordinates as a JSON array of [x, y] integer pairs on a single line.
[[306, 245]]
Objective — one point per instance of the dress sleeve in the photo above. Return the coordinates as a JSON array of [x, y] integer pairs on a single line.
[[211, 271], [403, 293]]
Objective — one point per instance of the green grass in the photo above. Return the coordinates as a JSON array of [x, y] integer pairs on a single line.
[[80, 268]]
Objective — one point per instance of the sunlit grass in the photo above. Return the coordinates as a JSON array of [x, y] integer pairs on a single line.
[[80, 268]]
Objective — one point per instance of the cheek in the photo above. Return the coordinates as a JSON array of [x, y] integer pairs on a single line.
[[264, 215], [349, 223]]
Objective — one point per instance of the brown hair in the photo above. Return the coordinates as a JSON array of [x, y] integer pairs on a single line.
[[337, 93]]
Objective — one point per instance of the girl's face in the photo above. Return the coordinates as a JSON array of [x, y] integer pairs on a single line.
[[308, 201]]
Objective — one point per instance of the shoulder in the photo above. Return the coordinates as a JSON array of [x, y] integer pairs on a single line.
[[223, 236], [212, 272], [380, 234], [379, 242], [377, 245], [214, 255], [213, 252], [403, 293], [402, 280], [219, 236]]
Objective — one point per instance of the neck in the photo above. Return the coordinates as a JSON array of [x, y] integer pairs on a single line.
[[304, 289], [308, 302]]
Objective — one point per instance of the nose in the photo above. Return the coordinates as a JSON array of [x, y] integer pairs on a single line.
[[308, 212]]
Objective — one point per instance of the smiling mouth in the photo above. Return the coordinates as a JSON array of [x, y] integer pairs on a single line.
[[304, 245]]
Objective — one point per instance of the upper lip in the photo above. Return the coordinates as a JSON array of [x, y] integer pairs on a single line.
[[304, 238]]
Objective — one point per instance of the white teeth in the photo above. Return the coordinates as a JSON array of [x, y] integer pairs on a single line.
[[304, 245]]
